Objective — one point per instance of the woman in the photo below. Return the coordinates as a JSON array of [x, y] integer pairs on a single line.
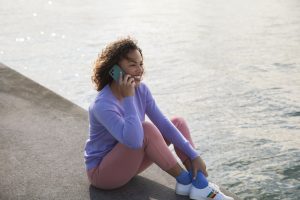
[[122, 144]]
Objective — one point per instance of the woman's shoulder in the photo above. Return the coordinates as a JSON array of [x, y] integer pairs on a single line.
[[103, 99]]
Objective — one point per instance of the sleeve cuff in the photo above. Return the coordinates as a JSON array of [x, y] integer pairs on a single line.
[[191, 152]]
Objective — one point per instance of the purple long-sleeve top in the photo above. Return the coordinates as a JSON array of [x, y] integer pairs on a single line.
[[112, 121]]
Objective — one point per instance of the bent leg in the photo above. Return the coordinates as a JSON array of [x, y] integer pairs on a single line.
[[147, 162], [122, 163], [156, 149], [181, 125], [154, 134], [117, 167]]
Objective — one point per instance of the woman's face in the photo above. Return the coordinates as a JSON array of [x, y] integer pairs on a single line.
[[133, 65]]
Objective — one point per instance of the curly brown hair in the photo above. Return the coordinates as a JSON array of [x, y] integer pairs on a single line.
[[110, 55]]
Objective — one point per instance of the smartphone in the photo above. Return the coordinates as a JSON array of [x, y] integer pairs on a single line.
[[115, 72]]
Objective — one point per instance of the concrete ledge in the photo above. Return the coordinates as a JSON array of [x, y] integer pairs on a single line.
[[42, 137]]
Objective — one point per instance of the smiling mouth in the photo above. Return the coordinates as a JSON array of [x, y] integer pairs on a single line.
[[137, 78]]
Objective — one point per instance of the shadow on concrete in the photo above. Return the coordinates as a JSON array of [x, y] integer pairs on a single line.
[[139, 188]]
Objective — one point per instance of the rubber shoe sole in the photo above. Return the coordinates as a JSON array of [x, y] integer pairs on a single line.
[[196, 195], [184, 190]]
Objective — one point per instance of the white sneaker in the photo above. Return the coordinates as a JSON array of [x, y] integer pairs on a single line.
[[214, 186], [207, 193], [181, 189]]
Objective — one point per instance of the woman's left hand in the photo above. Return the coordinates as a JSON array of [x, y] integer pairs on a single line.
[[198, 164]]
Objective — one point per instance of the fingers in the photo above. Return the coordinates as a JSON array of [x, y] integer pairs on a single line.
[[126, 79], [204, 171], [129, 80], [194, 173], [120, 78]]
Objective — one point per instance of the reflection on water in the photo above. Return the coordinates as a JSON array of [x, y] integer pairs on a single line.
[[230, 68]]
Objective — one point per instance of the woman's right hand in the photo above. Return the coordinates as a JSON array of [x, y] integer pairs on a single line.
[[127, 85], [198, 164]]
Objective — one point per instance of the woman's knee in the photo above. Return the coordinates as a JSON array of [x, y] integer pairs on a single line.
[[178, 121], [181, 125], [151, 131]]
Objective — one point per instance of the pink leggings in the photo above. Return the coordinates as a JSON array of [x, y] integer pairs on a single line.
[[122, 163]]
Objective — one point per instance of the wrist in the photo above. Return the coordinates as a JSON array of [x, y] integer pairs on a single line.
[[197, 157]]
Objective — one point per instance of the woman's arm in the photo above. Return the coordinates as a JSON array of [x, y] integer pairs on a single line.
[[166, 127], [127, 130]]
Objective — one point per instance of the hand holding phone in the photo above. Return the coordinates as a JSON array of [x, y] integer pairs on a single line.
[[125, 81]]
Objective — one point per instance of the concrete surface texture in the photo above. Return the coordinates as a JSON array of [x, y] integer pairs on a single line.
[[42, 137]]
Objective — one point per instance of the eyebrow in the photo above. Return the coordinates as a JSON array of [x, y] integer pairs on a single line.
[[132, 60]]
